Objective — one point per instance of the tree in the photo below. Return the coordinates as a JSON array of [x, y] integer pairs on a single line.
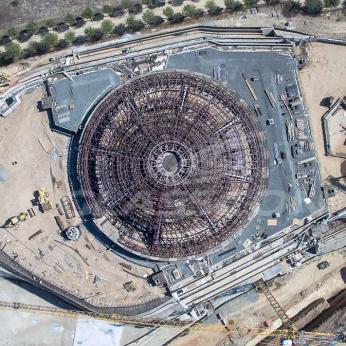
[[69, 19], [13, 50], [212, 8], [12, 32], [70, 36], [37, 48], [127, 3], [271, 2], [177, 18], [168, 12], [134, 24], [158, 20], [32, 28], [233, 5], [5, 59], [50, 39], [119, 29], [313, 6], [148, 3], [107, 26], [148, 17], [189, 10], [291, 7], [250, 3], [135, 8], [107, 9], [90, 32], [331, 3], [62, 44], [88, 13], [50, 23]]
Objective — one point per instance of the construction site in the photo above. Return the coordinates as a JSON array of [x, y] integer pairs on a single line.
[[185, 187]]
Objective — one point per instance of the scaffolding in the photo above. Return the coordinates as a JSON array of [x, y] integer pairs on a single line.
[[175, 161]]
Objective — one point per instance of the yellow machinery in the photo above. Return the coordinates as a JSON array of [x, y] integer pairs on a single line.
[[42, 197], [16, 220]]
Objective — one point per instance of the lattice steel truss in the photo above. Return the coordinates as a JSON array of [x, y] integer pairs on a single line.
[[175, 161]]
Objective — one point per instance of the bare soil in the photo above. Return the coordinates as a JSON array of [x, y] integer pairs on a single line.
[[19, 12], [84, 267], [325, 76]]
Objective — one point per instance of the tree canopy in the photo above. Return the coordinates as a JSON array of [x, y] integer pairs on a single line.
[[107, 26]]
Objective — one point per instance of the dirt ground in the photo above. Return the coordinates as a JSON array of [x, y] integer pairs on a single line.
[[18, 12], [294, 291], [337, 129], [325, 76], [84, 267]]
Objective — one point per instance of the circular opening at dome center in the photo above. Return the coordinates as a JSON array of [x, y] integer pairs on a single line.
[[171, 162]]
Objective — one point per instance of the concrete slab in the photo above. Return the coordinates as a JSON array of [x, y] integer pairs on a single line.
[[74, 96]]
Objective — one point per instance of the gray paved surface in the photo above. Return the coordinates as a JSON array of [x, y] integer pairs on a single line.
[[74, 99], [263, 65]]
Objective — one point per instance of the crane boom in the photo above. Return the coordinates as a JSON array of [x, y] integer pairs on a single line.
[[193, 326]]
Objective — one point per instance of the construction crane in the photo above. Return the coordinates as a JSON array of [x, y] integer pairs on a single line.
[[261, 286], [16, 220], [193, 326]]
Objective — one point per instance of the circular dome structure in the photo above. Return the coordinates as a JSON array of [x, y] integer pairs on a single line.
[[175, 161]]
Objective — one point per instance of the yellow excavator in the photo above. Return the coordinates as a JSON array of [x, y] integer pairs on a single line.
[[42, 197], [16, 220]]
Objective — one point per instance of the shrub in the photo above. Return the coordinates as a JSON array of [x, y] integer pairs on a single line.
[[37, 48], [250, 3], [88, 13], [107, 26], [189, 10], [271, 2], [119, 29], [70, 36], [148, 3], [12, 32], [81, 39], [313, 6], [69, 19], [135, 8], [148, 17], [32, 28], [212, 8], [50, 23], [62, 44], [158, 20], [233, 5], [168, 12], [177, 18], [89, 32], [331, 3], [13, 50], [127, 3], [5, 59], [50, 39], [134, 24], [107, 9]]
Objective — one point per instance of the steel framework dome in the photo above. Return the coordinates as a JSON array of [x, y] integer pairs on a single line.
[[175, 161]]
